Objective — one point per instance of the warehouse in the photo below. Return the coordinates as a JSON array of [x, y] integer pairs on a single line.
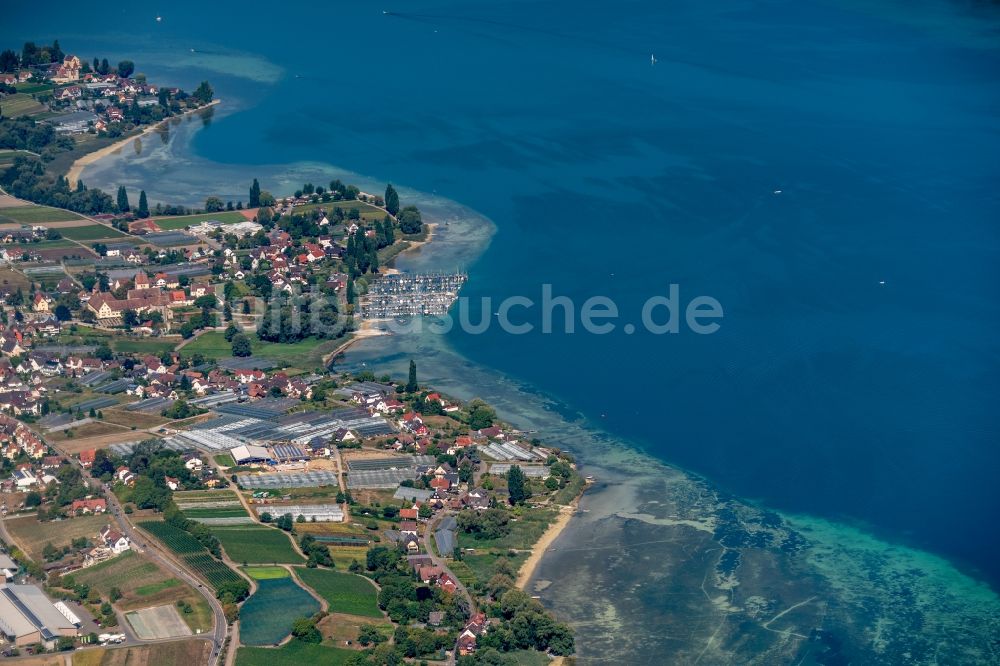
[[245, 454], [27, 616]]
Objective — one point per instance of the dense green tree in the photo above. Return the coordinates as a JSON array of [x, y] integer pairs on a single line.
[[410, 220], [241, 345], [411, 382], [203, 93], [481, 415], [517, 486], [254, 194], [143, 211], [122, 199], [125, 68], [214, 205], [8, 61], [391, 200]]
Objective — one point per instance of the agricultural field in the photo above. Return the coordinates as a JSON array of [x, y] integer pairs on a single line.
[[294, 653], [257, 545], [267, 616], [172, 537], [211, 569], [90, 232], [225, 460], [143, 583], [171, 223], [191, 651], [20, 104], [32, 535], [36, 215], [338, 628], [34, 88], [345, 592]]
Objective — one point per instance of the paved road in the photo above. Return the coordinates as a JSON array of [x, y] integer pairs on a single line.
[[440, 563]]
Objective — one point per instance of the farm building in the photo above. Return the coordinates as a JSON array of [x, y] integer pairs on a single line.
[[27, 616]]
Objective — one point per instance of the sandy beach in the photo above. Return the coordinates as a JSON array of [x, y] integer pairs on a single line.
[[75, 169], [543, 543]]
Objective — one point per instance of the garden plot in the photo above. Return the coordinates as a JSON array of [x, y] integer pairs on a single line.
[[157, 622]]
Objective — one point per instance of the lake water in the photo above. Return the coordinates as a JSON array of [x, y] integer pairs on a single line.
[[854, 380]]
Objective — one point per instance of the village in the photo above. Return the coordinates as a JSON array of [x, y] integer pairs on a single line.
[[170, 414]]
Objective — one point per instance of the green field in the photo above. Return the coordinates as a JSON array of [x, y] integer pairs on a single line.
[[20, 104], [36, 215], [155, 346], [154, 588], [345, 592], [124, 572], [227, 217], [225, 460], [266, 573], [368, 212], [267, 616], [90, 232], [33, 88], [304, 353], [294, 653], [523, 534], [257, 545]]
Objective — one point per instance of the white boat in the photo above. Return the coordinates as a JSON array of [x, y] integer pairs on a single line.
[[652, 59]]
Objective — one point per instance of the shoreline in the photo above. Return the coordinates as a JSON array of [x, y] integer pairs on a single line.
[[549, 536], [76, 168]]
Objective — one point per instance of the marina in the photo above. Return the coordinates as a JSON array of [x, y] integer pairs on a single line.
[[411, 294]]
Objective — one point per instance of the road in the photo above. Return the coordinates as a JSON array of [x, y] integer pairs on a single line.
[[441, 564]]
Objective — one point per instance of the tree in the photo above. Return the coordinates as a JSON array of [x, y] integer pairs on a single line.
[[254, 194], [214, 205], [122, 199], [241, 345], [411, 382], [516, 486], [304, 629], [369, 635], [481, 415], [8, 61], [391, 200], [203, 93], [143, 211], [125, 68], [410, 221], [63, 313]]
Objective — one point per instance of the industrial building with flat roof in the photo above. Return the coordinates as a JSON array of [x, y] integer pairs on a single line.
[[27, 616]]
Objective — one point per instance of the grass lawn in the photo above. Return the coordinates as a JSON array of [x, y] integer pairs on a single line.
[[346, 592], [266, 573], [20, 104], [90, 232], [33, 88], [368, 212], [169, 223], [215, 512], [32, 535], [267, 616], [257, 545], [225, 460], [305, 353], [36, 214], [523, 534], [137, 419], [294, 653]]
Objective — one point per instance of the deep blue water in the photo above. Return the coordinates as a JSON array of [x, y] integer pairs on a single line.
[[824, 391]]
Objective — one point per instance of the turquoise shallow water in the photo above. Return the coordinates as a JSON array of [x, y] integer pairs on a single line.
[[825, 393]]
